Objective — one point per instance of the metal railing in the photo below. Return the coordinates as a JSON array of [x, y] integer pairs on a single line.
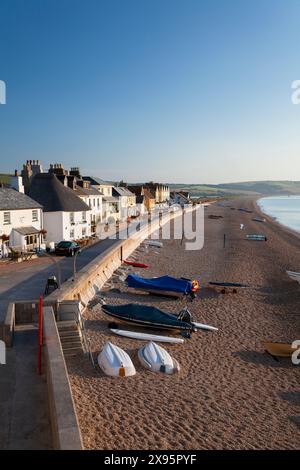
[[86, 342]]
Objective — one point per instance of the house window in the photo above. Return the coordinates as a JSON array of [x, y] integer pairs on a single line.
[[35, 215], [90, 203], [31, 239], [94, 202], [72, 234], [98, 202], [6, 218], [84, 232], [83, 216], [72, 218]]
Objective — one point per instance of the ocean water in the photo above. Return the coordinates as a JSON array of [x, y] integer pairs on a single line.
[[285, 209]]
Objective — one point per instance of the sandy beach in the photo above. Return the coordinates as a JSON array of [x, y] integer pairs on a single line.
[[229, 393]]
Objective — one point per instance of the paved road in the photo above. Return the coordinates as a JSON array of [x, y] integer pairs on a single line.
[[29, 284]]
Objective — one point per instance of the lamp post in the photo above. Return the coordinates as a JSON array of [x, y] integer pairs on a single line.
[[58, 268]]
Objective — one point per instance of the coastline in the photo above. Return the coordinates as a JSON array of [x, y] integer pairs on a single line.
[[229, 393], [273, 220]]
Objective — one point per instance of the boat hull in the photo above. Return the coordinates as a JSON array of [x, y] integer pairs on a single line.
[[147, 337], [293, 275], [157, 359], [149, 317], [115, 362], [279, 349]]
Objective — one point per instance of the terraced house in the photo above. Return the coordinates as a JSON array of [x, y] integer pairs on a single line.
[[21, 220], [127, 201], [66, 216]]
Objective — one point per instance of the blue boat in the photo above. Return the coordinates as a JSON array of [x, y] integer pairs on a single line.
[[148, 316], [165, 285]]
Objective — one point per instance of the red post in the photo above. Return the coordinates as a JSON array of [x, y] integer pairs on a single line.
[[40, 340]]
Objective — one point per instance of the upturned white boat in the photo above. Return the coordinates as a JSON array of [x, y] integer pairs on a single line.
[[116, 362], [147, 336], [294, 276], [154, 357]]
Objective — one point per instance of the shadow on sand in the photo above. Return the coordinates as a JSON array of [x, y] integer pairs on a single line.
[[263, 358]]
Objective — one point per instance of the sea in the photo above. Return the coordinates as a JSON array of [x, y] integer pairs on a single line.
[[285, 209]]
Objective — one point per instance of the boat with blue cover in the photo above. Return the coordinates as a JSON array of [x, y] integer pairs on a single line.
[[152, 317], [148, 316], [164, 285]]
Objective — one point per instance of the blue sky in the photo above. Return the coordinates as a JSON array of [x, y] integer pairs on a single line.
[[172, 90]]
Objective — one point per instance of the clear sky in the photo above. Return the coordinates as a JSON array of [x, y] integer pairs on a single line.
[[194, 91]]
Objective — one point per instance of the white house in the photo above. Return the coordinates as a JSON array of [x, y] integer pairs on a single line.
[[110, 203], [20, 219], [141, 207], [92, 198], [66, 216], [127, 205]]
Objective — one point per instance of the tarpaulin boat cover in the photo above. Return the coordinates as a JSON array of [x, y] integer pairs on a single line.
[[145, 314], [164, 283]]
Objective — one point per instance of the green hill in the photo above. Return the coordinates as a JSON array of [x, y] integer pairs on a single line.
[[5, 178], [248, 188]]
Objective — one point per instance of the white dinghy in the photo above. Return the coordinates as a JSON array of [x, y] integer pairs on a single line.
[[294, 276], [115, 362], [147, 336], [157, 359]]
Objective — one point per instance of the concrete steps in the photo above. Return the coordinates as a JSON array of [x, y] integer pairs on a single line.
[[70, 338]]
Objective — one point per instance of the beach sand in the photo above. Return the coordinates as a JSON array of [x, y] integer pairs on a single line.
[[229, 393]]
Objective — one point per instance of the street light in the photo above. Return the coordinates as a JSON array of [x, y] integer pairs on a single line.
[[58, 268]]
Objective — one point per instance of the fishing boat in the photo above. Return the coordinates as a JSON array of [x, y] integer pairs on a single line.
[[154, 243], [146, 336], [164, 285], [135, 264], [279, 349], [115, 362], [256, 237], [242, 209], [154, 357], [259, 219], [152, 317], [148, 316], [225, 286], [294, 276]]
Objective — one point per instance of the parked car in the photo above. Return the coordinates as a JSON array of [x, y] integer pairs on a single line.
[[67, 248]]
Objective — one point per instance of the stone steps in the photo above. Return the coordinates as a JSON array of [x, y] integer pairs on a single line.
[[70, 338]]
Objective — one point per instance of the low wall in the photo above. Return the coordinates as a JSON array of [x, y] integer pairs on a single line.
[[21, 312], [8, 327], [63, 418]]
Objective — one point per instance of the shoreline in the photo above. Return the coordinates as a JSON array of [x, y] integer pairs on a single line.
[[229, 393], [275, 221]]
